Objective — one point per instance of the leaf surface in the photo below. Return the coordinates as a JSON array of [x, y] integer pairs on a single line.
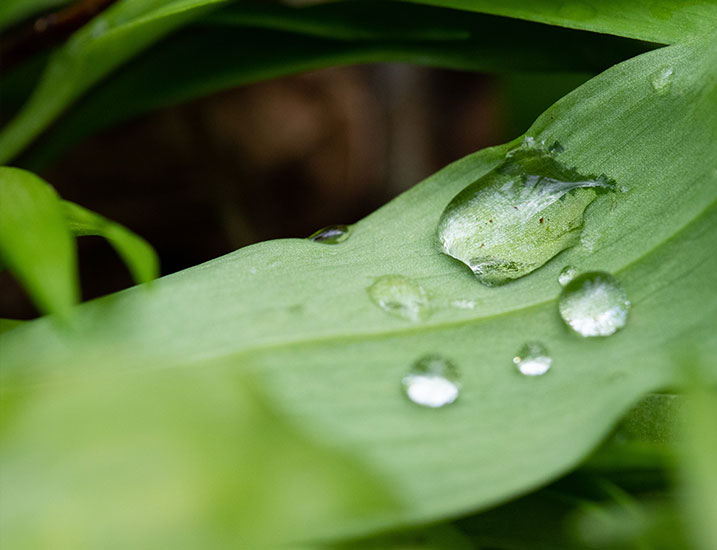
[[663, 21], [296, 313]]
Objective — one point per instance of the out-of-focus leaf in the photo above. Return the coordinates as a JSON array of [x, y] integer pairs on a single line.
[[35, 243], [12, 11], [99, 47], [698, 470], [297, 313], [9, 324], [664, 21], [139, 256], [206, 58], [169, 460]]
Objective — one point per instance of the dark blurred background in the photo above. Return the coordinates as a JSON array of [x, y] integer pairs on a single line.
[[280, 158]]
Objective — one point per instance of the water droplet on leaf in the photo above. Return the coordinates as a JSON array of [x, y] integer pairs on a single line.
[[661, 80], [332, 234], [566, 275], [594, 304], [533, 359], [432, 382], [494, 225], [400, 296]]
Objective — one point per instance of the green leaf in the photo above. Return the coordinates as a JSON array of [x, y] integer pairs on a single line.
[[698, 471], [12, 11], [106, 42], [35, 243], [9, 324], [242, 43], [139, 256], [664, 21], [174, 459], [296, 313]]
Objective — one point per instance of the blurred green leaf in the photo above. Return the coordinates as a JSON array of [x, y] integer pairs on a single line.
[[174, 459], [664, 21], [106, 42], [217, 53], [139, 256], [12, 11], [698, 471], [9, 324], [297, 313], [35, 243]]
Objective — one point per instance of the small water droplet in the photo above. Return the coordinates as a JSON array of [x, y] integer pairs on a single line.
[[567, 274], [400, 296], [661, 80], [494, 225], [533, 359], [332, 234], [432, 382], [594, 304]]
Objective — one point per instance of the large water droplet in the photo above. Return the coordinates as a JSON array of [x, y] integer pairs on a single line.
[[332, 234], [661, 80], [594, 304], [400, 296], [432, 382], [518, 216], [533, 359], [566, 275]]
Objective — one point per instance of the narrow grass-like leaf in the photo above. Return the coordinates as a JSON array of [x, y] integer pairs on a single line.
[[297, 313], [140, 257], [106, 42], [664, 21], [209, 57], [35, 243]]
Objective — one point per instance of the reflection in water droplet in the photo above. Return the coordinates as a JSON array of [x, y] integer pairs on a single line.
[[400, 296], [518, 216], [533, 359], [594, 304], [432, 382], [332, 234], [566, 275], [661, 80]]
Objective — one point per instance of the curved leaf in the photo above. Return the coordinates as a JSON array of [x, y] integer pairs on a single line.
[[297, 313], [139, 256], [35, 243], [99, 47], [663, 21]]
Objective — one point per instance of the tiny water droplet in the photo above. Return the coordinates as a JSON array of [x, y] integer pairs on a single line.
[[661, 80], [433, 381], [594, 304], [533, 359], [515, 218], [332, 234], [567, 274], [400, 296]]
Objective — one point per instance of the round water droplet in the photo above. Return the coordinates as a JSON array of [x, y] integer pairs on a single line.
[[567, 274], [594, 304], [533, 359], [332, 234], [432, 382], [400, 296], [661, 80], [515, 218]]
